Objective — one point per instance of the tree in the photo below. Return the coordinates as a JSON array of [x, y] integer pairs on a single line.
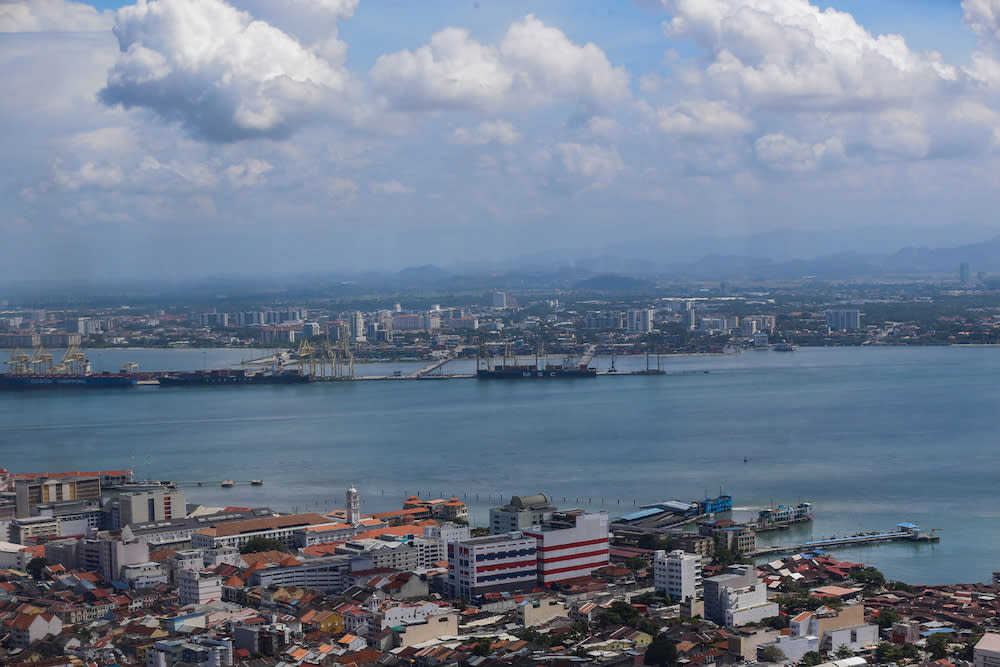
[[479, 531], [870, 576], [886, 617], [35, 567], [661, 652], [843, 652], [937, 644], [811, 659], [256, 544], [635, 564], [483, 646], [771, 654]]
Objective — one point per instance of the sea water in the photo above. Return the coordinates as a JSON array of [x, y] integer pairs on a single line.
[[871, 436]]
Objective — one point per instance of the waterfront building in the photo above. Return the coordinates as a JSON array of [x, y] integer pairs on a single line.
[[357, 327], [677, 574], [493, 563], [843, 320], [76, 517], [521, 513], [571, 546], [176, 533], [734, 536], [48, 489], [737, 598], [156, 504], [439, 508], [238, 533]]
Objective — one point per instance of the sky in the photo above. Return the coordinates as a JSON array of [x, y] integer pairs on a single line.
[[185, 138]]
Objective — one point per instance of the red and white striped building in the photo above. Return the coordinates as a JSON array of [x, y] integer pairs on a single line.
[[572, 552], [569, 548]]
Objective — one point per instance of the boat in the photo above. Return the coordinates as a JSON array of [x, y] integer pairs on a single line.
[[784, 515], [783, 347], [256, 482], [226, 376], [40, 371], [228, 484], [546, 372]]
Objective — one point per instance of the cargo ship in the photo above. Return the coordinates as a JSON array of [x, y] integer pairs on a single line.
[[226, 376], [78, 381], [510, 369], [40, 371], [548, 371]]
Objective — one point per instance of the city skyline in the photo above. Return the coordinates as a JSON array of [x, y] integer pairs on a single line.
[[174, 138]]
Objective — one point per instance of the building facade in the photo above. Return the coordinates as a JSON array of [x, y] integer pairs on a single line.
[[494, 563], [677, 574]]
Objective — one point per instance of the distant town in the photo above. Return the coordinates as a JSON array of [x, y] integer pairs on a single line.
[[101, 569], [605, 315]]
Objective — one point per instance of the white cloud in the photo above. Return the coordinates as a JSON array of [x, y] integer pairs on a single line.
[[88, 175], [389, 188], [791, 54], [342, 188], [248, 172], [783, 153], [534, 64], [594, 163], [216, 70], [983, 17], [487, 132], [701, 118], [52, 15]]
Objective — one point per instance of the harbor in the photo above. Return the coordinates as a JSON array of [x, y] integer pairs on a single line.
[[906, 532]]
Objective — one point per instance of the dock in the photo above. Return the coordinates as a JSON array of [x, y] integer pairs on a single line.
[[907, 533]]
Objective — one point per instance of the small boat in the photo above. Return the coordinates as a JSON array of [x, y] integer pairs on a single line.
[[228, 484], [256, 482]]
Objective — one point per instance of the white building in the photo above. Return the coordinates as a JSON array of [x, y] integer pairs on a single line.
[[987, 651], [843, 320], [357, 325], [198, 586], [640, 321], [677, 574], [159, 504], [737, 598]]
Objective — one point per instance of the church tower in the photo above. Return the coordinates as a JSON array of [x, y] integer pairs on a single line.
[[353, 506]]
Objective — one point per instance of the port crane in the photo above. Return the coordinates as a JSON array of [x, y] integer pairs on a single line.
[[19, 362]]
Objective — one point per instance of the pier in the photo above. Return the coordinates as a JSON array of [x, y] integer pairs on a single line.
[[907, 533]]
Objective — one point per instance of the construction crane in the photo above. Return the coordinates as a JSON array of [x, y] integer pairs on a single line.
[[19, 362], [327, 358], [41, 362], [344, 355], [74, 361], [306, 358]]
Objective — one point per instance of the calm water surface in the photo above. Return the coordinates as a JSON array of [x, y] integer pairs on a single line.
[[871, 436]]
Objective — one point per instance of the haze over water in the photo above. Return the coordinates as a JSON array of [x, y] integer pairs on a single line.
[[871, 436]]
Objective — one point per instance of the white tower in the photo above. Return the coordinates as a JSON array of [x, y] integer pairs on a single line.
[[353, 506]]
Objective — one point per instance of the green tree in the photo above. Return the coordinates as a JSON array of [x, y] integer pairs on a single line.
[[479, 531], [35, 567], [843, 652], [886, 617], [661, 652], [771, 654], [937, 645], [635, 564], [256, 544], [869, 576], [776, 622], [811, 659], [483, 646]]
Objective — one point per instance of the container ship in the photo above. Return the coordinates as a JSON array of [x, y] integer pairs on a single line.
[[227, 376], [40, 371], [548, 371]]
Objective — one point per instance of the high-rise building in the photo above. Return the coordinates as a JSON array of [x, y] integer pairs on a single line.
[[493, 563], [963, 273], [357, 324], [159, 504], [640, 320], [498, 299], [843, 320], [737, 598], [677, 574]]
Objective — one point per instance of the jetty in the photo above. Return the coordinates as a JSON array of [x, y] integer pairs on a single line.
[[905, 532]]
